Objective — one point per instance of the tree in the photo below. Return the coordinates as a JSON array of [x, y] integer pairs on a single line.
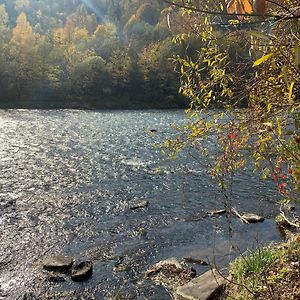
[[266, 133], [89, 77], [157, 71], [104, 40], [24, 62], [120, 67]]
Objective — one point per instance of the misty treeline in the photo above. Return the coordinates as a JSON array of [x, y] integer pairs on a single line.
[[91, 53]]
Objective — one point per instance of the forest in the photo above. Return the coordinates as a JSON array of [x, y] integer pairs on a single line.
[[87, 54]]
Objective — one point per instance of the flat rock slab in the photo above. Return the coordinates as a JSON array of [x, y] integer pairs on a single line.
[[82, 271], [252, 218], [205, 287], [58, 263]]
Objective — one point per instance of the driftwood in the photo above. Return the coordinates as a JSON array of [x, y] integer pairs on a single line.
[[239, 216], [287, 223], [216, 212]]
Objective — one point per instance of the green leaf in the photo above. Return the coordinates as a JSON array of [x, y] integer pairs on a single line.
[[262, 59]]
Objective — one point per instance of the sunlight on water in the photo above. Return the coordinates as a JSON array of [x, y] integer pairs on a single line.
[[68, 179]]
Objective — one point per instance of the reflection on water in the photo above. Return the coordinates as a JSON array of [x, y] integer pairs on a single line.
[[67, 179]]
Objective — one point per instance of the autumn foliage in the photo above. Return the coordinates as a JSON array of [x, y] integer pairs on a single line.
[[251, 62], [245, 6]]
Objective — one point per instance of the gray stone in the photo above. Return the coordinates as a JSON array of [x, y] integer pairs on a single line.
[[139, 204], [252, 218], [82, 271], [58, 263], [205, 287]]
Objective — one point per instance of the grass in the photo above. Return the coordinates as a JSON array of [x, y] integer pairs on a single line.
[[271, 272]]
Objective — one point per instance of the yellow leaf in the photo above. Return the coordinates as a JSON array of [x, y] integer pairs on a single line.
[[291, 90], [262, 59], [268, 124], [279, 128]]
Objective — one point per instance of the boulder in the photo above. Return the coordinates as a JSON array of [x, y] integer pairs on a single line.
[[252, 218], [58, 263], [82, 271], [205, 287]]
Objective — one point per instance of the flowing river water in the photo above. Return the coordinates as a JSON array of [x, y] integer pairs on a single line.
[[67, 179]]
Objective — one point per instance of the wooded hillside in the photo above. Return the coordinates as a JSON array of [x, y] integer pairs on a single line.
[[87, 54]]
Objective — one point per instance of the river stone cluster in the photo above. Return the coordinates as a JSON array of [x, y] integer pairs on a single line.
[[65, 264]]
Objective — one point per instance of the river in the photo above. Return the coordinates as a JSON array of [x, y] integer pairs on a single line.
[[66, 183]]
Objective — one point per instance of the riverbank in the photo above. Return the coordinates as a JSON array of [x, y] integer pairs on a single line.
[[111, 102], [271, 272]]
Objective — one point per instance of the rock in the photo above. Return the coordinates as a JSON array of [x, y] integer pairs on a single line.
[[205, 287], [170, 273], [139, 204], [169, 261], [82, 271], [58, 263], [153, 130], [196, 261], [252, 218]]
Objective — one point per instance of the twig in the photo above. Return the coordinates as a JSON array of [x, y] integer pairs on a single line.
[[240, 216]]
